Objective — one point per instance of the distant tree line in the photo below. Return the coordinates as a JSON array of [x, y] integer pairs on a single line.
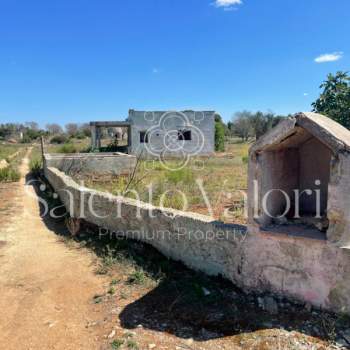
[[30, 131], [25, 133], [71, 130], [246, 124]]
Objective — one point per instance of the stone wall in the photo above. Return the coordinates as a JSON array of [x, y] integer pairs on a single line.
[[92, 163], [306, 269], [338, 201]]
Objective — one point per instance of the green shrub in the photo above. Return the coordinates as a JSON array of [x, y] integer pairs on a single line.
[[67, 148], [58, 139], [219, 137], [9, 174]]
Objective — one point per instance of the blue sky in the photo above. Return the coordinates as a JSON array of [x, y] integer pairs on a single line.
[[79, 60]]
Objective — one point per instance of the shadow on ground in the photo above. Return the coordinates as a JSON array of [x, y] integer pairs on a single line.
[[54, 221], [189, 304]]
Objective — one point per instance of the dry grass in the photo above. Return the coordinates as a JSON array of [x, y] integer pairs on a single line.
[[8, 149], [11, 173], [208, 186]]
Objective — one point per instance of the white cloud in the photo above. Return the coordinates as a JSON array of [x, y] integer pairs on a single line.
[[227, 3], [329, 57], [306, 94]]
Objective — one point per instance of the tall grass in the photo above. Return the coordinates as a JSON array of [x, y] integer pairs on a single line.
[[174, 200], [8, 150], [35, 166], [9, 174], [184, 175]]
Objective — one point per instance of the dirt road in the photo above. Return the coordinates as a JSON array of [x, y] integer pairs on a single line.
[[46, 288]]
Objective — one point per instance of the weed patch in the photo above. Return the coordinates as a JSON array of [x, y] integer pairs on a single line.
[[174, 200], [245, 159], [137, 277], [97, 299], [111, 291], [131, 344], [117, 343], [35, 166], [184, 175], [101, 270], [9, 174]]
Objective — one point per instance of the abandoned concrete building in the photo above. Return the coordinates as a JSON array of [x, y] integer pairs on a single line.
[[299, 170], [162, 134]]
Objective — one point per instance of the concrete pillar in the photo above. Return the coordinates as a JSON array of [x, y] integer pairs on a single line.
[[129, 139], [98, 137], [93, 136]]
